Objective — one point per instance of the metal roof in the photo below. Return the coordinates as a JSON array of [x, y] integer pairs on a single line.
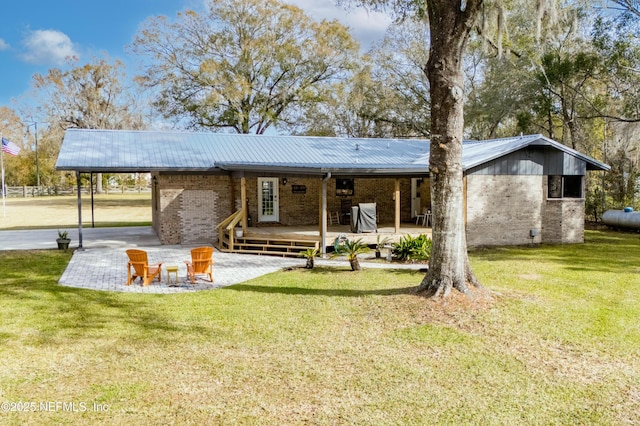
[[121, 151], [479, 152]]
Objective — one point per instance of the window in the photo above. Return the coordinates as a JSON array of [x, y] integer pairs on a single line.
[[565, 187], [344, 186]]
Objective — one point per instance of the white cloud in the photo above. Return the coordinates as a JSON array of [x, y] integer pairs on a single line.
[[44, 47], [366, 26], [4, 45]]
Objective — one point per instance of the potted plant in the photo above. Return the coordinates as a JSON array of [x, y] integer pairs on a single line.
[[352, 249], [63, 240], [310, 254], [380, 244]]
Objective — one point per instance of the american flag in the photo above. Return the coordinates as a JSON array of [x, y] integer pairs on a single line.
[[10, 147]]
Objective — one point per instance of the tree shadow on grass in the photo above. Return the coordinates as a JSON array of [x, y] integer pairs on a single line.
[[57, 313], [51, 314], [332, 292], [337, 292]]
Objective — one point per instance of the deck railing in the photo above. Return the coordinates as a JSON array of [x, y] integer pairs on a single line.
[[225, 229]]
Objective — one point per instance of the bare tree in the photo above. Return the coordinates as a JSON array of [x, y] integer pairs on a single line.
[[246, 65], [628, 6], [90, 96]]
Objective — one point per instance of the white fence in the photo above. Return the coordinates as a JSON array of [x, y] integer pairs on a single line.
[[34, 191]]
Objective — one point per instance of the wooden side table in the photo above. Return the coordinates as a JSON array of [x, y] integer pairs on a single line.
[[172, 269]]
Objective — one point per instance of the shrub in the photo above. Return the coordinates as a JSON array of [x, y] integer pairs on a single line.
[[413, 248]]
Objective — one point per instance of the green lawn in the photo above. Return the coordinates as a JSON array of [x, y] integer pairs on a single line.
[[559, 344]]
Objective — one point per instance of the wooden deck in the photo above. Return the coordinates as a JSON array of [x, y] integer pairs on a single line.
[[291, 240]]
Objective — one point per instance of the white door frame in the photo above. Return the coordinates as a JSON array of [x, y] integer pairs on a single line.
[[268, 199], [416, 183]]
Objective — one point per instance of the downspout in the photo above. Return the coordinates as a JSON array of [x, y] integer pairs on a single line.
[[323, 216]]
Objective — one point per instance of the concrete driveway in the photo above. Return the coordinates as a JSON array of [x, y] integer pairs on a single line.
[[129, 236]]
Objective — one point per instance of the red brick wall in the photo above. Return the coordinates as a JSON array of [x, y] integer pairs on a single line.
[[303, 209], [190, 206], [187, 208]]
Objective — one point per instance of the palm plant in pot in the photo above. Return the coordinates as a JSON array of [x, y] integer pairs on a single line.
[[63, 240], [310, 254], [380, 244], [352, 249]]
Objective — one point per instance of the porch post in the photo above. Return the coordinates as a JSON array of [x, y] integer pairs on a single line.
[[243, 203], [397, 198], [323, 216]]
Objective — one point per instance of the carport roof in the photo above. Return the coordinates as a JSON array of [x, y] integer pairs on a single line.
[[125, 151]]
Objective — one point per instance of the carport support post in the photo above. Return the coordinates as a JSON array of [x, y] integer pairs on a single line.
[[396, 197], [79, 211]]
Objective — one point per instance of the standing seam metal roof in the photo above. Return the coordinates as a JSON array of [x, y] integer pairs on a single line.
[[138, 151]]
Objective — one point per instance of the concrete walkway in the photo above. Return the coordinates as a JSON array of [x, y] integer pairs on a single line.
[[102, 264]]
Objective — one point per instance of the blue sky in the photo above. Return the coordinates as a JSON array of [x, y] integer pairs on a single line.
[[37, 35]]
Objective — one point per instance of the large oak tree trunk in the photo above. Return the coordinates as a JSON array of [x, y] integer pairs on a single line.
[[450, 26], [99, 189]]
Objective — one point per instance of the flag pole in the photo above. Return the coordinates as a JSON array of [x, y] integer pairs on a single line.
[[11, 149]]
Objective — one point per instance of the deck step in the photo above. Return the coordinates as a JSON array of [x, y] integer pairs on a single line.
[[263, 252], [278, 246]]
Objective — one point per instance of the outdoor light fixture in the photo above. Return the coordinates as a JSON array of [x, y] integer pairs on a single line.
[[284, 181]]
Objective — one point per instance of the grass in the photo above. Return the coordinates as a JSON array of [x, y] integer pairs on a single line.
[[559, 344], [130, 209]]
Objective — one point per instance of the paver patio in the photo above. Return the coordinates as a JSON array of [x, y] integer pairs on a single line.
[[106, 269]]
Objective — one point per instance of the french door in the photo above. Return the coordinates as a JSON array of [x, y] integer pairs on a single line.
[[268, 200], [416, 183]]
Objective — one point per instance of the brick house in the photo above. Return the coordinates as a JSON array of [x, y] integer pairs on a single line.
[[528, 189]]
